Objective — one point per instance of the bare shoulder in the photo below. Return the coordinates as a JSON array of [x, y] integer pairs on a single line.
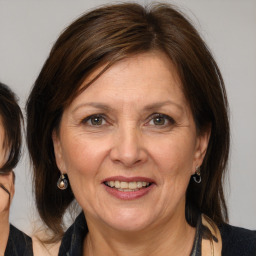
[[211, 246]]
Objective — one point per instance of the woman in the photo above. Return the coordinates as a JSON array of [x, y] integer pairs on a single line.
[[129, 117], [12, 241]]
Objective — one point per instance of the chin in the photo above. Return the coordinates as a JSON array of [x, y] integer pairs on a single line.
[[128, 220]]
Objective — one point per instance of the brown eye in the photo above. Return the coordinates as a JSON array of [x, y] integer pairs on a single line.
[[159, 120], [96, 120]]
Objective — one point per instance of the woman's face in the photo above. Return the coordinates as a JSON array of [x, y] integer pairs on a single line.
[[129, 145], [2, 149], [6, 180]]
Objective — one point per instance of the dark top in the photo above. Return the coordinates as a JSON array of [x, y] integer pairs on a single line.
[[235, 241], [197, 245], [19, 244]]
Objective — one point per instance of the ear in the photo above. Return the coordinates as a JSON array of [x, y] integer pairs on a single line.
[[201, 147], [58, 152]]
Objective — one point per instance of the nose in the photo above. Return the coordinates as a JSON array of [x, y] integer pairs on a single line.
[[128, 148]]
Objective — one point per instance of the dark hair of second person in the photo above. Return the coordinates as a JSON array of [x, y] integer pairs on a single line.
[[13, 241], [11, 119], [100, 39]]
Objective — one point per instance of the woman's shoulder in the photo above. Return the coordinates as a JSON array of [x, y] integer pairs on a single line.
[[237, 241], [18, 243]]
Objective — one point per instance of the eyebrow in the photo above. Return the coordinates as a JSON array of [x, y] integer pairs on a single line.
[[158, 105], [149, 107], [92, 104]]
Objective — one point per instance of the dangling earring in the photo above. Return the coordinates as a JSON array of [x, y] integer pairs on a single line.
[[197, 175], [62, 182]]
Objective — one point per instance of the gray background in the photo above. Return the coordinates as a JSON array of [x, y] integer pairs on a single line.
[[29, 28]]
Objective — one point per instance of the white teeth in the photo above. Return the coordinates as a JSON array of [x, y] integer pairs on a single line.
[[132, 185], [117, 184], [124, 184], [139, 184], [127, 186]]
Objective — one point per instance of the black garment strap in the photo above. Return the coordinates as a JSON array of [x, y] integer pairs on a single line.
[[19, 244], [196, 249]]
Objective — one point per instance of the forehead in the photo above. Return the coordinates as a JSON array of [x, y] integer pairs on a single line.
[[149, 74]]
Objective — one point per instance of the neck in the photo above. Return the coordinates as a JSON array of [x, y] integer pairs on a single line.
[[174, 237], [4, 230]]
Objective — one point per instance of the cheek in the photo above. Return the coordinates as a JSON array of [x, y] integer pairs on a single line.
[[4, 200], [3, 156], [174, 156], [81, 165], [83, 156]]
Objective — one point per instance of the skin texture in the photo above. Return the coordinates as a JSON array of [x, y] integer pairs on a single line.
[[2, 150], [130, 140], [7, 181]]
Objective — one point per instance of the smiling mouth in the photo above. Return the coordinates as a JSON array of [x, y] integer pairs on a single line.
[[127, 186]]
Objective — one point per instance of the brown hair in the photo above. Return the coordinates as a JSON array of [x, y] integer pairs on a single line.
[[104, 36], [12, 120]]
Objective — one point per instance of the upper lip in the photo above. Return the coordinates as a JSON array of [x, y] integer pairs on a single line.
[[128, 179]]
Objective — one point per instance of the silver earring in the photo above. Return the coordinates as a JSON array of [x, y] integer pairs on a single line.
[[197, 175], [62, 182]]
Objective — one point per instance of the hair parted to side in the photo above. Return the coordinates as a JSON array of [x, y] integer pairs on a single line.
[[12, 120], [103, 37]]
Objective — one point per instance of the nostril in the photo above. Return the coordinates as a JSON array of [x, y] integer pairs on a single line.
[[128, 157], [128, 147]]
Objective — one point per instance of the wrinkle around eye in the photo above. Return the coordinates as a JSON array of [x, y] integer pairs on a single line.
[[95, 121], [163, 119], [99, 121], [171, 128]]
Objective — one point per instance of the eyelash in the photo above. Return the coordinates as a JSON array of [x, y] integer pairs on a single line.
[[153, 117], [90, 118], [166, 118]]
